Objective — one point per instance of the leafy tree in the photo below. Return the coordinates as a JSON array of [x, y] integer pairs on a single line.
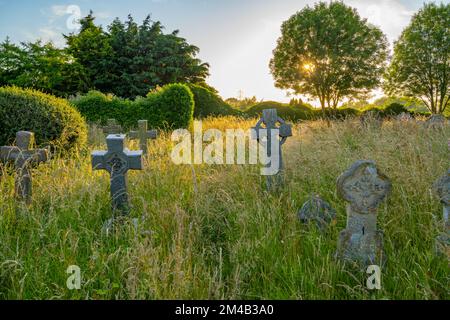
[[421, 61], [330, 53], [90, 48], [40, 66], [129, 59]]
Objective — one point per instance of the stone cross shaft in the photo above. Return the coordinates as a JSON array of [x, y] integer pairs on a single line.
[[143, 134], [23, 158], [267, 123], [117, 161], [364, 187], [112, 127]]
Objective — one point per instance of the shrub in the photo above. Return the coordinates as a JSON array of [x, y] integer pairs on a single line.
[[209, 103], [285, 111], [97, 107], [171, 106], [54, 121]]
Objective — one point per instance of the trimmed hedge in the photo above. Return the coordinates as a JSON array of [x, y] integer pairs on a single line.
[[54, 121], [209, 103], [171, 106]]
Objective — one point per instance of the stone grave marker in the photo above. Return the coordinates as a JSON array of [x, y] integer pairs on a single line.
[[364, 187], [112, 127], [143, 134], [23, 158], [268, 122], [117, 160], [436, 121], [318, 211]]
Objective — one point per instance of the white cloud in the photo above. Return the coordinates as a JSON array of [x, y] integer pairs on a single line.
[[391, 16], [59, 10]]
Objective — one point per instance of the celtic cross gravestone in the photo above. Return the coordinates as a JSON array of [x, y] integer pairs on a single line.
[[23, 158], [117, 161], [364, 187], [263, 132]]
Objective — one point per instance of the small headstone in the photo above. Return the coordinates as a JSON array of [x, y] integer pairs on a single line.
[[318, 211], [117, 161], [269, 120], [112, 127], [364, 187], [23, 158], [143, 134], [436, 121]]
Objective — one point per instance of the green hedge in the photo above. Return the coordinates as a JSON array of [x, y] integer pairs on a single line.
[[305, 112], [54, 121], [209, 103], [171, 106]]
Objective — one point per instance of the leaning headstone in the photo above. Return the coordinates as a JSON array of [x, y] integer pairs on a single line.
[[117, 161], [143, 134], [442, 190], [364, 187], [318, 211], [269, 120], [436, 121], [112, 127], [23, 158]]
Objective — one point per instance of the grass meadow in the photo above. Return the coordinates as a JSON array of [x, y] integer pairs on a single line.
[[212, 232]]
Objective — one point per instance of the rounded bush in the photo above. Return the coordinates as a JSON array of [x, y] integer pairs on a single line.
[[209, 103], [171, 106], [53, 121], [97, 107]]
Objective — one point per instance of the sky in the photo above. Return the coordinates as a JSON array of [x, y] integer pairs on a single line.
[[236, 37]]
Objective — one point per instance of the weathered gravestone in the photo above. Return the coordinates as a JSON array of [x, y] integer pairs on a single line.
[[143, 134], [263, 129], [365, 188], [436, 121], [318, 211], [117, 161], [23, 158], [112, 127], [442, 190]]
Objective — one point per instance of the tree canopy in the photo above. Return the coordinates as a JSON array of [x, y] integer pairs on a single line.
[[126, 59], [330, 53], [421, 63]]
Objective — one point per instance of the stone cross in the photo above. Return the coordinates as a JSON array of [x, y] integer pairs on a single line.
[[117, 161], [269, 120], [364, 187], [23, 158], [112, 127], [143, 135]]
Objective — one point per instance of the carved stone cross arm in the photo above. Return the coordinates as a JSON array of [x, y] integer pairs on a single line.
[[363, 186]]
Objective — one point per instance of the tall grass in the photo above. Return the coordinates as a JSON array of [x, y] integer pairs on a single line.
[[212, 232]]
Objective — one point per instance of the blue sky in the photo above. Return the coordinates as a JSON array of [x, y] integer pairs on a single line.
[[235, 36]]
